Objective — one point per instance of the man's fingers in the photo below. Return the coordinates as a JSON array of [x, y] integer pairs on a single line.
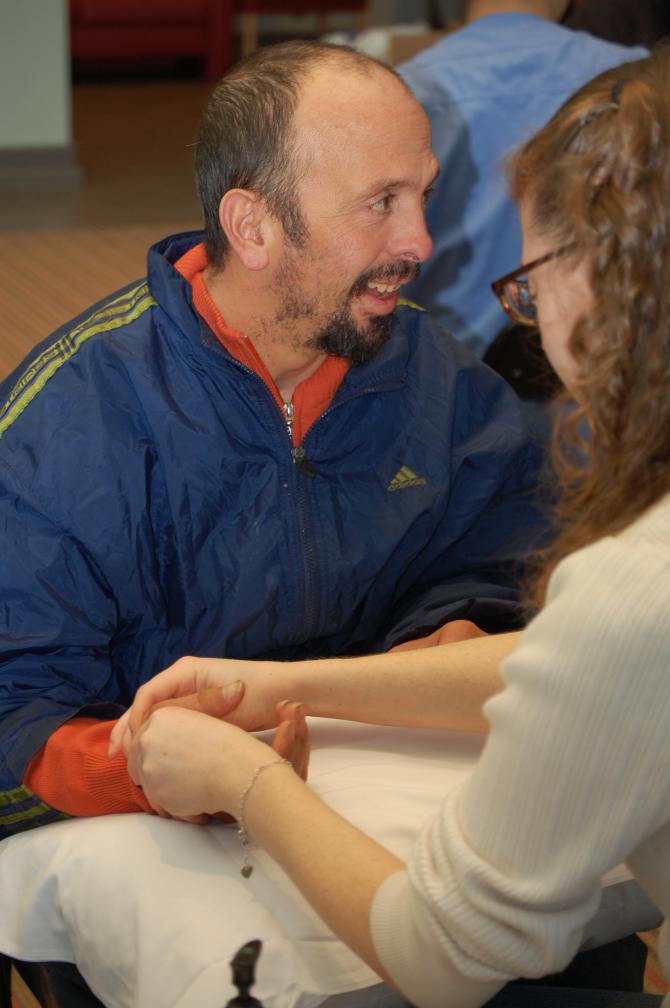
[[284, 740], [458, 630], [292, 731], [303, 741], [416, 644], [301, 747], [450, 633]]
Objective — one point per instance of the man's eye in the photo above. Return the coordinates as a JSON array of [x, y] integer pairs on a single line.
[[426, 196], [382, 205]]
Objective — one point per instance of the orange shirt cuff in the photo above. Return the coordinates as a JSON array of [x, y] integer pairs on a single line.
[[71, 772]]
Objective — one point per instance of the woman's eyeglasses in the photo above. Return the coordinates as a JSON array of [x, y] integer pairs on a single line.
[[515, 295]]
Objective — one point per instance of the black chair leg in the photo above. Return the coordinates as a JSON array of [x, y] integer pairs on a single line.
[[69, 987], [5, 982]]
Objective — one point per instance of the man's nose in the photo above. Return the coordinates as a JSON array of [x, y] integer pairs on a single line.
[[411, 239]]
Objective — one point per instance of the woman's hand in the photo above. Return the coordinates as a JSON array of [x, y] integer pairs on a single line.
[[192, 766], [245, 693]]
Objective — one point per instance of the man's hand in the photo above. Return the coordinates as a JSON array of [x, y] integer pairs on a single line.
[[450, 633], [191, 766]]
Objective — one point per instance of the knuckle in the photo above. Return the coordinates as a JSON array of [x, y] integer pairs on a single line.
[[185, 662]]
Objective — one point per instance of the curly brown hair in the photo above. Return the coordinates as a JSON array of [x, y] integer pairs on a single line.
[[598, 175]]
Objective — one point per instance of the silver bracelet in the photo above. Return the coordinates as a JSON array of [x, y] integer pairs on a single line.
[[247, 868]]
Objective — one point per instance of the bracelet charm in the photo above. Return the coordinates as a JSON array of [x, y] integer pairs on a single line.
[[247, 868]]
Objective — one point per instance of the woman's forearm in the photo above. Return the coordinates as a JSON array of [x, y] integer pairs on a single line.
[[336, 867], [439, 687], [434, 687]]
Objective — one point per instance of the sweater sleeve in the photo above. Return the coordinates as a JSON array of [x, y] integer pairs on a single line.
[[72, 773], [502, 882]]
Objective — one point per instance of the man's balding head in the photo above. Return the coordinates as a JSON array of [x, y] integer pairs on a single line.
[[246, 136]]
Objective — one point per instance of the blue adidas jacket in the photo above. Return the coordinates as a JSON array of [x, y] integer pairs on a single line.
[[151, 507]]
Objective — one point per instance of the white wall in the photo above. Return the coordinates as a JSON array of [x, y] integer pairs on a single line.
[[34, 74]]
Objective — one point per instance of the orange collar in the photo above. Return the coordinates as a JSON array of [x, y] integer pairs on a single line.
[[311, 397]]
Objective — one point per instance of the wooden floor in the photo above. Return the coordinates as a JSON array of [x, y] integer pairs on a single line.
[[50, 276], [62, 251], [134, 146]]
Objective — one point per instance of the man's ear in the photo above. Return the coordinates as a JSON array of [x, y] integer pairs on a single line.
[[248, 226]]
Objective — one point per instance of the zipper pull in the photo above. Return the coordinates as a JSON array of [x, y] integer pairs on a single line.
[[303, 463], [289, 413]]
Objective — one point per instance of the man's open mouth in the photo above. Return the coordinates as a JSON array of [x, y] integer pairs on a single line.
[[384, 290]]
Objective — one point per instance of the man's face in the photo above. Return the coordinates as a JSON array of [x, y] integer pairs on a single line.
[[364, 145]]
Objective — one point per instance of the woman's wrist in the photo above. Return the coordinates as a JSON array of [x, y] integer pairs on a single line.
[[247, 867], [269, 790], [304, 681], [230, 771]]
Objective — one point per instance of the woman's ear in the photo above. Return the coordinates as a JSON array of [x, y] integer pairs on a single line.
[[245, 221]]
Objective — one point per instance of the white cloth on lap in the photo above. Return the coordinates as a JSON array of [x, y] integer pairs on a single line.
[[152, 910]]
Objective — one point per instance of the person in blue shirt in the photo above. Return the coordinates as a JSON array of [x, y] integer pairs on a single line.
[[486, 88]]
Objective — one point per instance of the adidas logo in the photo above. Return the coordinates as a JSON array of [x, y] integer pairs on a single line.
[[405, 478]]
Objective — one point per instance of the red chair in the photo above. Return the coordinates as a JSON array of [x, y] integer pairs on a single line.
[[250, 9], [128, 30]]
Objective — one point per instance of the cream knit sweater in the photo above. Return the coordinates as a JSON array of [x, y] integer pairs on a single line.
[[574, 778]]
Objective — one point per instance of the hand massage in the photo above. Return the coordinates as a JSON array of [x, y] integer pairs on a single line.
[[299, 640]]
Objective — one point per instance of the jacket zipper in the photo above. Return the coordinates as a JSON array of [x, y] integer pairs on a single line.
[[307, 540], [289, 413], [307, 469]]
